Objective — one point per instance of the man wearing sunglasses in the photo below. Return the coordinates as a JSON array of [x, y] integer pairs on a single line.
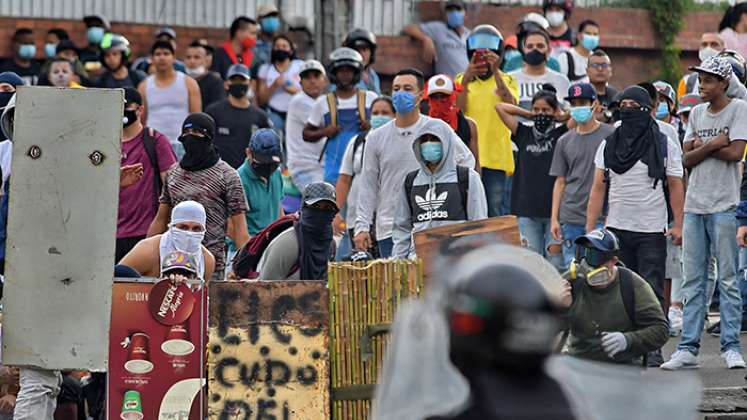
[[599, 71], [614, 315]]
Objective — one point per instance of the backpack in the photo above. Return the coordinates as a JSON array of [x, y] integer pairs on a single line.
[[247, 258], [627, 293], [462, 180], [149, 142], [572, 76], [332, 105], [360, 141]]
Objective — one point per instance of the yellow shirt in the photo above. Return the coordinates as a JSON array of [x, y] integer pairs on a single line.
[[494, 138]]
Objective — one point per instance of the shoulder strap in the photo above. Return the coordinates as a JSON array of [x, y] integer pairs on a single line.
[[571, 66], [362, 106], [332, 104], [463, 180], [360, 141], [149, 142], [690, 82], [409, 181], [627, 292]]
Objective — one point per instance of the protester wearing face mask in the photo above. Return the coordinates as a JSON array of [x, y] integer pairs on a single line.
[[441, 94], [513, 58], [573, 169], [115, 54], [666, 109], [711, 44], [263, 185], [238, 48], [203, 177], [302, 251], [573, 62], [614, 315], [531, 193], [96, 27], [388, 158], [557, 12], [210, 82], [268, 18], [279, 80], [185, 234], [23, 63], [439, 193], [443, 42], [236, 118], [348, 184], [535, 73]]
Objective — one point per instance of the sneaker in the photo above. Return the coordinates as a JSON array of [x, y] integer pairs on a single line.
[[715, 329], [681, 359], [733, 359], [675, 321]]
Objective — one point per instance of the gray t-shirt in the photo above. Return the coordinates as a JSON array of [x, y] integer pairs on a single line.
[[529, 85], [451, 48], [279, 261], [714, 184], [574, 160]]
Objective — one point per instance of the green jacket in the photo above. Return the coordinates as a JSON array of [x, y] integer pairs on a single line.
[[595, 311]]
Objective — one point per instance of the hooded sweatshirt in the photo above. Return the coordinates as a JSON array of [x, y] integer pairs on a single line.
[[387, 159], [435, 198]]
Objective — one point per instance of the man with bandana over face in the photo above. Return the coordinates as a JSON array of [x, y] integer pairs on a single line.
[[203, 177], [442, 104], [238, 48], [301, 252]]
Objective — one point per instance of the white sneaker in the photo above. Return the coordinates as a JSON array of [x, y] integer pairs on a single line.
[[733, 359], [675, 321], [681, 359]]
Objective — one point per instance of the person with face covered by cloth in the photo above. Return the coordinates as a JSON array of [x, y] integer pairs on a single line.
[[203, 177], [441, 93], [302, 251], [614, 315], [439, 193]]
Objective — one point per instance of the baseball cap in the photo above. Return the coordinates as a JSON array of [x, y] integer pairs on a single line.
[[581, 91], [131, 95], [265, 146], [310, 65], [266, 9], [92, 20], [440, 83], [202, 122], [66, 45], [11, 78], [454, 3], [716, 66], [601, 239], [238, 70], [664, 88], [166, 30], [688, 102], [319, 191], [179, 260]]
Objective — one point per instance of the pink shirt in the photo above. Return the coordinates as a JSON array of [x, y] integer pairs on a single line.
[[136, 209], [735, 41]]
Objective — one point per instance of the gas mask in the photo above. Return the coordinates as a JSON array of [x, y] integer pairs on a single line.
[[590, 266], [594, 276]]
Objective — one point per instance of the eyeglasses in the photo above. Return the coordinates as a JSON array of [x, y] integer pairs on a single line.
[[599, 66]]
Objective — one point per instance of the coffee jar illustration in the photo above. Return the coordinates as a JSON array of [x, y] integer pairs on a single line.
[[138, 355], [177, 341], [132, 406]]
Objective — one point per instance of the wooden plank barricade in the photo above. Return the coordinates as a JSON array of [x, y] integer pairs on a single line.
[[363, 301]]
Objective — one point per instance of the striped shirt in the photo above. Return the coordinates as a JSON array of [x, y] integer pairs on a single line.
[[219, 190]]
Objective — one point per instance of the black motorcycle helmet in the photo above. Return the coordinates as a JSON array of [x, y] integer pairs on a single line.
[[361, 37], [343, 57]]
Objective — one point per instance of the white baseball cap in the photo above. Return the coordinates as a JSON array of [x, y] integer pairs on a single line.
[[440, 83], [309, 65]]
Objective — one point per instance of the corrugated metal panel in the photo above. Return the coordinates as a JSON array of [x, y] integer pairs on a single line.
[[578, 3], [386, 17], [210, 13]]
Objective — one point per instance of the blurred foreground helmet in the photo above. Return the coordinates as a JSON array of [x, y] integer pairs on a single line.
[[7, 118]]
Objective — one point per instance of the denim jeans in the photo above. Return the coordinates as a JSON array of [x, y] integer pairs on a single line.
[[536, 236], [37, 398], [494, 182], [645, 254], [674, 270], [344, 248], [743, 278], [698, 233], [506, 200], [386, 245]]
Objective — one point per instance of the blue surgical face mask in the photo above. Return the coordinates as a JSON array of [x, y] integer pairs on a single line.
[[581, 114], [403, 101], [590, 42], [510, 55], [431, 151], [269, 24], [379, 120], [95, 34], [50, 50], [455, 18], [27, 51], [662, 111]]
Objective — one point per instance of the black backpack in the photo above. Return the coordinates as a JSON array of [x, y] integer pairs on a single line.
[[462, 180]]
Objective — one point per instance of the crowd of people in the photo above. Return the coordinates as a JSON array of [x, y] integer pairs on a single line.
[[257, 162]]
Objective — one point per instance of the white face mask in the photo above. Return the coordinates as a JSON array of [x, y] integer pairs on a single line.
[[187, 241], [196, 72], [706, 53], [555, 18]]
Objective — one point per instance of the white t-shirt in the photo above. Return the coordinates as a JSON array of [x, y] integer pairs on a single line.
[[579, 63], [302, 155], [353, 166], [634, 204], [321, 107], [529, 85], [281, 98]]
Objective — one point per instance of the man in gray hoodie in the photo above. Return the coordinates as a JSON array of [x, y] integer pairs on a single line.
[[439, 193]]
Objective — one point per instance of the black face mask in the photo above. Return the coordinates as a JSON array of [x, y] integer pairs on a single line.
[[279, 55], [5, 98], [130, 116], [199, 153], [635, 118], [314, 232], [534, 58], [542, 122], [265, 170], [238, 90]]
